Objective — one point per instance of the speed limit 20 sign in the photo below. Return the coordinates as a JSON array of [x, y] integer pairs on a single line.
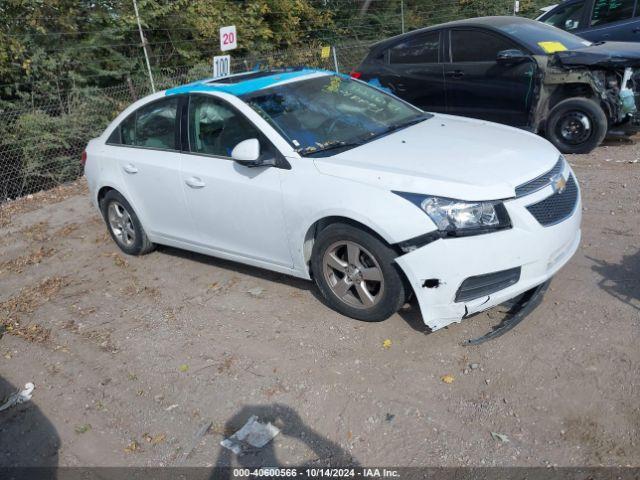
[[228, 38]]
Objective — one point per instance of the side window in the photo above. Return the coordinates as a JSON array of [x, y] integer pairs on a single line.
[[419, 49], [607, 11], [568, 17], [156, 124], [153, 125], [128, 130], [477, 46], [216, 128]]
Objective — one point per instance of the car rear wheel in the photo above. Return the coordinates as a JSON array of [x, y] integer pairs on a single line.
[[576, 125], [356, 273], [123, 225]]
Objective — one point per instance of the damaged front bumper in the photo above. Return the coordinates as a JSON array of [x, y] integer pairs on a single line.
[[451, 277]]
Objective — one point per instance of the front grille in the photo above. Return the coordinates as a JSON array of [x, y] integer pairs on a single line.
[[483, 285], [539, 182], [557, 207]]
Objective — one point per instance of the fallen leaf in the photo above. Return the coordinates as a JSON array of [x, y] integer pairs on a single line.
[[83, 428], [386, 344], [119, 261], [447, 378], [500, 436], [183, 368], [132, 447]]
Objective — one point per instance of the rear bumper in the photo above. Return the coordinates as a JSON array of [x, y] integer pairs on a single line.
[[539, 252]]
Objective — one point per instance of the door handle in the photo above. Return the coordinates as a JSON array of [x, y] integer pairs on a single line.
[[455, 73], [130, 168], [400, 87], [636, 30], [194, 182]]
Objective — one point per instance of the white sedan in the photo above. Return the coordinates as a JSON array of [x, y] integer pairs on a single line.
[[323, 177]]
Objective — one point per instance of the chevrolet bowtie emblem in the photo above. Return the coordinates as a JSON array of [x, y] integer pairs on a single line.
[[559, 183]]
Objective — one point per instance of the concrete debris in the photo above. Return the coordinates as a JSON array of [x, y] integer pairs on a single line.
[[19, 397]]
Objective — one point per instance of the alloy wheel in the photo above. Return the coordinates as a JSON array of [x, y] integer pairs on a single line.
[[121, 224], [353, 274]]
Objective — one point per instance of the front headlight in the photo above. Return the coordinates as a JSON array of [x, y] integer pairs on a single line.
[[459, 217]]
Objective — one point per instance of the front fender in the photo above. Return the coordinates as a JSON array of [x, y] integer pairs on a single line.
[[310, 196]]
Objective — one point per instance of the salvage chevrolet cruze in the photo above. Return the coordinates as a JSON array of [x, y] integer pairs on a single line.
[[320, 176]]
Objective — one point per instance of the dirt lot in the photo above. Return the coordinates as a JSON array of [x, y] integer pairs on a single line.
[[131, 356]]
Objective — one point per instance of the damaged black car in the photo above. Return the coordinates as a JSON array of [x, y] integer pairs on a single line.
[[515, 71]]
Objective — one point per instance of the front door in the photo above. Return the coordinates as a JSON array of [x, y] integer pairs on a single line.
[[478, 86], [237, 210], [613, 20]]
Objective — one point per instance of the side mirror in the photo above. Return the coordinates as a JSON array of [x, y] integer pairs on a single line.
[[247, 153], [511, 56]]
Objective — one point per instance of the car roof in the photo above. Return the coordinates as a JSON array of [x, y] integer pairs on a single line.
[[249, 82], [488, 22]]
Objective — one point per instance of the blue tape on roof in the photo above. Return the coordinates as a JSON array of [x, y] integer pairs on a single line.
[[243, 86]]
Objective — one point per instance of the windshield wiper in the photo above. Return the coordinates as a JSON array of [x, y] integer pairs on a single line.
[[333, 146], [407, 123]]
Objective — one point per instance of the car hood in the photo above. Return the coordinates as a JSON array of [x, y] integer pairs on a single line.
[[604, 54], [447, 156]]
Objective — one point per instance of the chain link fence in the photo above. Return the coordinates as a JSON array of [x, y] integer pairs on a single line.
[[41, 141]]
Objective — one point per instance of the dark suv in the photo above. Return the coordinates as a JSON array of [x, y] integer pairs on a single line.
[[597, 20]]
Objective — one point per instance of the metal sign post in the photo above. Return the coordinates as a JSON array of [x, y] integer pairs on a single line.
[[144, 47]]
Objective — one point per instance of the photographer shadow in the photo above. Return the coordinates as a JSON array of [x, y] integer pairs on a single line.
[[327, 453], [27, 438]]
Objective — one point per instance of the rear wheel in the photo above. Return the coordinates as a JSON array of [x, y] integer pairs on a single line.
[[356, 273], [123, 225], [576, 125]]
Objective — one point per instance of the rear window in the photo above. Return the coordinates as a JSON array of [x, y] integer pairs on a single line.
[[531, 33], [154, 125], [419, 49], [608, 11]]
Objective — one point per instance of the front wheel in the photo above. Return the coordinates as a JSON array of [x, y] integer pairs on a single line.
[[356, 273], [576, 125]]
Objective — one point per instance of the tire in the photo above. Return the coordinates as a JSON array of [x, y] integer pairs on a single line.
[[347, 259], [123, 225], [576, 125]]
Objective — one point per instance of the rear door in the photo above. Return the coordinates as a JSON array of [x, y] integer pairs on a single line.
[[613, 20], [413, 71], [146, 146], [478, 86]]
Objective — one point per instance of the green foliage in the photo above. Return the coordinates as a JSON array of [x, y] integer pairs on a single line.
[[68, 66]]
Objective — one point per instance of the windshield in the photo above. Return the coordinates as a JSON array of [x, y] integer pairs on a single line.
[[533, 34], [330, 113]]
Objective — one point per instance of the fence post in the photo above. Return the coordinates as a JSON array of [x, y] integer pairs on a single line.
[[402, 15], [516, 7], [335, 59], [144, 47]]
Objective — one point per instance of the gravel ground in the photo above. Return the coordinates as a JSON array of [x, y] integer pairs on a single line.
[[132, 356]]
